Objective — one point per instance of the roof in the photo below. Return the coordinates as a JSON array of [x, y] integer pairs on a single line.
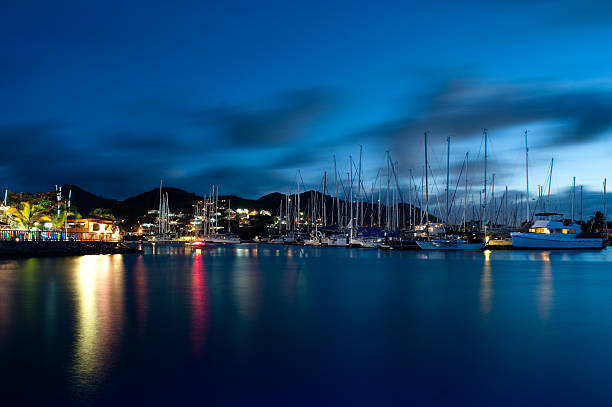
[[93, 219]]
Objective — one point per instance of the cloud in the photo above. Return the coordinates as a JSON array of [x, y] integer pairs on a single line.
[[248, 180], [288, 122], [464, 107]]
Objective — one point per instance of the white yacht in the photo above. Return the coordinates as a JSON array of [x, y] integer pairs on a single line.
[[556, 234]]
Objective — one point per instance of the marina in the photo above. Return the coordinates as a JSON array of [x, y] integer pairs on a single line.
[[297, 203]]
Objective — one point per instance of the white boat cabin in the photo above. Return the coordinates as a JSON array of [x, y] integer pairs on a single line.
[[550, 227]]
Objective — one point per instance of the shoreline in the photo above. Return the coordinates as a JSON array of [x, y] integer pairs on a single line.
[[26, 249]]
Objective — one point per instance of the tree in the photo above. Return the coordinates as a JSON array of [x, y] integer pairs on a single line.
[[59, 220], [595, 223], [103, 213], [26, 215]]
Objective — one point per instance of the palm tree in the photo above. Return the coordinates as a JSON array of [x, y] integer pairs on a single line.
[[103, 213], [59, 220], [26, 215]]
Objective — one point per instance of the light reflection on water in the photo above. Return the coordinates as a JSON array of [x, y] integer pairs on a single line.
[[200, 307], [486, 286], [142, 296], [235, 311], [99, 304], [545, 290]]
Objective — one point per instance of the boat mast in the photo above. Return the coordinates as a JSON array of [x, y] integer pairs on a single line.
[[573, 196], [387, 209], [323, 198], [605, 200], [506, 221], [359, 197], [580, 203], [493, 203], [527, 178], [447, 174], [410, 205], [426, 185], [552, 160], [465, 198], [484, 215], [160, 207], [298, 200], [379, 200], [351, 194], [336, 187]]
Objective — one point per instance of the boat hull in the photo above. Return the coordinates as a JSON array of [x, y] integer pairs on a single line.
[[547, 241], [448, 245]]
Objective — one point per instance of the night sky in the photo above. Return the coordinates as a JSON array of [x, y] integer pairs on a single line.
[[114, 96]]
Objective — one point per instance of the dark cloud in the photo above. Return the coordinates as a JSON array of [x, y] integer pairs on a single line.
[[249, 180], [287, 122], [464, 107]]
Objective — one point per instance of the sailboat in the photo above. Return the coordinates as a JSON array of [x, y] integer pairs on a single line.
[[449, 242]]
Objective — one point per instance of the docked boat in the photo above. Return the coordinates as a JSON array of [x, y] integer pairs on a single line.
[[318, 240], [556, 234], [199, 244], [449, 244], [364, 243], [222, 238]]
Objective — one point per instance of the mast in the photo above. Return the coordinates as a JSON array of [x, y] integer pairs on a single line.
[[160, 207], [527, 178], [465, 198], [410, 200], [323, 198], [379, 200], [447, 174], [359, 204], [605, 202], [552, 160], [506, 221], [484, 215], [336, 186], [351, 194], [573, 196], [426, 185], [494, 214], [298, 200], [387, 209], [216, 209], [580, 203]]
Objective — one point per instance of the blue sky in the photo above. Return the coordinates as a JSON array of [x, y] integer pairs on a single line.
[[113, 96]]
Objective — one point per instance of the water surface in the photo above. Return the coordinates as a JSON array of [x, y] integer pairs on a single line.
[[276, 325]]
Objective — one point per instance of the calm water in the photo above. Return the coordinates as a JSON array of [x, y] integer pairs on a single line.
[[270, 325]]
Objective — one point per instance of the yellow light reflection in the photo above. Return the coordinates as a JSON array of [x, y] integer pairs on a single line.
[[486, 289], [545, 290], [99, 297]]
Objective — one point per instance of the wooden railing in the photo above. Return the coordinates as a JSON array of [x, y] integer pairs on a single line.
[[16, 235]]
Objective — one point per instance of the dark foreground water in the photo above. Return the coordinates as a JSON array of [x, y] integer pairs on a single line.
[[273, 325]]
